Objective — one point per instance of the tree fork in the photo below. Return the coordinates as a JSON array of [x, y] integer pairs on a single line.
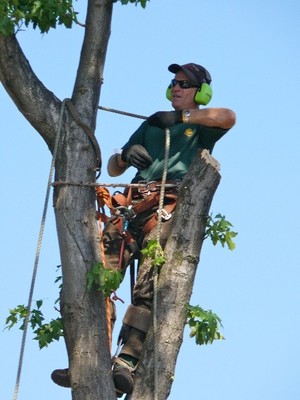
[[177, 277]]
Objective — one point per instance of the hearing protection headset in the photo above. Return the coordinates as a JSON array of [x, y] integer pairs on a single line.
[[203, 95]]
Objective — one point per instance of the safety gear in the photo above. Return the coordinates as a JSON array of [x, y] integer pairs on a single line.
[[61, 377], [164, 119], [137, 317], [123, 377], [203, 95], [136, 323], [137, 156], [198, 75]]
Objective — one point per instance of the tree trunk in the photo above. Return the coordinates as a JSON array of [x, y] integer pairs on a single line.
[[176, 280], [83, 312]]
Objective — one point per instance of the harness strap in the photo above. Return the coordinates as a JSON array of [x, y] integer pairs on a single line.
[[121, 200], [166, 211]]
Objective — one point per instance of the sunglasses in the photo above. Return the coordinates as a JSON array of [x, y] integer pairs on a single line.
[[183, 84]]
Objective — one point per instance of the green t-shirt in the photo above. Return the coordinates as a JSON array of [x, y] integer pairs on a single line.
[[185, 140]]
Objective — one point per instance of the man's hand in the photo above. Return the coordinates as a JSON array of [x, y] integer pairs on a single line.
[[137, 156], [164, 119]]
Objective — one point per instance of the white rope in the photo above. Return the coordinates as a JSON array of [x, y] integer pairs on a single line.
[[38, 250], [155, 278]]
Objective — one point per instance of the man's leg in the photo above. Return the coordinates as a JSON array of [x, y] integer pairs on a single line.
[[137, 319]]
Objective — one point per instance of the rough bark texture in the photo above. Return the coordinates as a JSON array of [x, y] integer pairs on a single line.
[[176, 280]]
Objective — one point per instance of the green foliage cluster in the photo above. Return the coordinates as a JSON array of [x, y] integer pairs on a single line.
[[104, 279], [136, 2], [154, 251], [45, 333], [204, 325], [42, 14], [219, 231]]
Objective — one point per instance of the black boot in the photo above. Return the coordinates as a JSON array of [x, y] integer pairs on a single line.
[[61, 377], [123, 377]]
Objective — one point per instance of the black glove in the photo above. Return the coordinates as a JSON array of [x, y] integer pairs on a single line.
[[164, 119], [137, 156]]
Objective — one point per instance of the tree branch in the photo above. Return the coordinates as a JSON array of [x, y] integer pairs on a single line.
[[89, 77], [38, 105]]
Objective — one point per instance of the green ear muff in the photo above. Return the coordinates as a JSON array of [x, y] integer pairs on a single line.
[[202, 96], [168, 93]]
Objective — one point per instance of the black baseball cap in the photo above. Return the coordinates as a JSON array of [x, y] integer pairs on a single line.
[[196, 73]]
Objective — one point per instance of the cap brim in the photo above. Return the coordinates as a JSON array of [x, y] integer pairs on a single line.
[[174, 68]]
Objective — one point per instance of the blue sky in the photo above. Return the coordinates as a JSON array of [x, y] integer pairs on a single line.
[[252, 52]]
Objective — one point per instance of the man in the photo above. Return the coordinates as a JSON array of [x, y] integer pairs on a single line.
[[190, 128]]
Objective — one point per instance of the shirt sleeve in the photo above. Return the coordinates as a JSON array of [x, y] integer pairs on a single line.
[[208, 136]]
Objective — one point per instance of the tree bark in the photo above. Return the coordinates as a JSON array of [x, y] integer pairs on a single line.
[[176, 280]]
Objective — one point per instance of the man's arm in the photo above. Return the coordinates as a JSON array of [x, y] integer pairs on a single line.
[[213, 117], [135, 155]]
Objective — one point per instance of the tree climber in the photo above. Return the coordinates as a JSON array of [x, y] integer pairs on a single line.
[[190, 128]]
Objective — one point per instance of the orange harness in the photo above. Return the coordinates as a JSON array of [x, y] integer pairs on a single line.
[[135, 202]]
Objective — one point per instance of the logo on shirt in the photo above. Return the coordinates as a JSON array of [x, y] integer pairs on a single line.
[[189, 132]]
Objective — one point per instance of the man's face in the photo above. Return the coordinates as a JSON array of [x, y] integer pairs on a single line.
[[183, 99]]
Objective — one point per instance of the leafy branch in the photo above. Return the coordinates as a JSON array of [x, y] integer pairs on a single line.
[[104, 279], [42, 14], [204, 325], [45, 333], [154, 251], [219, 230], [136, 2]]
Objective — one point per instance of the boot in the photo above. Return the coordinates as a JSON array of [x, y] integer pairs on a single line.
[[61, 377], [123, 374], [133, 332]]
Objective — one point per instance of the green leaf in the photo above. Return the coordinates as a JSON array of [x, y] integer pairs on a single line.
[[104, 279], [154, 252], [204, 325], [47, 333], [219, 231]]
